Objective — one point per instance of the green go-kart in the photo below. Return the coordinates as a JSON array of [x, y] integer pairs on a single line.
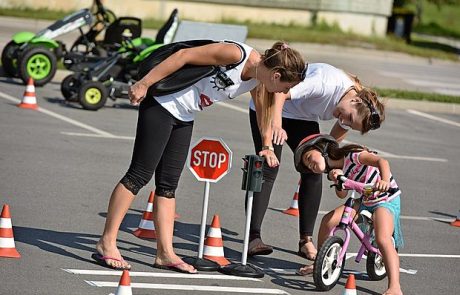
[[35, 55], [30, 55]]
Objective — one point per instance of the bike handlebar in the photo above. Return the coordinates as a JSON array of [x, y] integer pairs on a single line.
[[362, 188]]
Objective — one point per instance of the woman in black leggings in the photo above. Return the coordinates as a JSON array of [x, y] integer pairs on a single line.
[[164, 130], [325, 93]]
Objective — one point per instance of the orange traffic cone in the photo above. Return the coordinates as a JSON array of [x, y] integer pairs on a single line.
[[214, 245], [7, 246], [456, 222], [124, 286], [29, 100], [350, 286], [294, 209], [146, 228]]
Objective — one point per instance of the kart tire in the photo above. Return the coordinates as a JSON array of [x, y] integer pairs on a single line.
[[70, 87], [10, 59], [92, 95], [330, 249], [38, 63]]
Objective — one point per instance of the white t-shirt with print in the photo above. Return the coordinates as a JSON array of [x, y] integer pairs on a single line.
[[185, 103], [316, 96]]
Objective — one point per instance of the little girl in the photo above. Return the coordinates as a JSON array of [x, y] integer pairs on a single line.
[[320, 153]]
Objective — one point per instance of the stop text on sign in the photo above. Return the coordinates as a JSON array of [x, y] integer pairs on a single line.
[[209, 159]]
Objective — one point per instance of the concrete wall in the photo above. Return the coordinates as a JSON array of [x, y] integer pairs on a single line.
[[366, 17]]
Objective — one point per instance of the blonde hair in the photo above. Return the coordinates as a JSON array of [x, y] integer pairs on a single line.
[[286, 61]]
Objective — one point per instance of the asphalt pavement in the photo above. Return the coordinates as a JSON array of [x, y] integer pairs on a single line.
[[60, 163]]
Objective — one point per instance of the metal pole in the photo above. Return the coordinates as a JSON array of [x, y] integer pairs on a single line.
[[247, 227], [203, 219]]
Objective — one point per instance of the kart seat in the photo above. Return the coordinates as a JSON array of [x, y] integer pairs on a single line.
[[166, 32], [114, 32]]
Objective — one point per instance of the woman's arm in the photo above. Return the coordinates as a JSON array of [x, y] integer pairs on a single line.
[[372, 159], [279, 134], [338, 132], [212, 54]]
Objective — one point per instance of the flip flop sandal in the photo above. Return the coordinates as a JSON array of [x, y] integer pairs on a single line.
[[101, 260], [174, 267], [309, 255]]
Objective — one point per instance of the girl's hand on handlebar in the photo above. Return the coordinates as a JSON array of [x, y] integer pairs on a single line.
[[137, 93], [334, 173], [382, 186], [270, 157]]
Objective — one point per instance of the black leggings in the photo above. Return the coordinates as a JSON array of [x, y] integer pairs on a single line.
[[161, 146], [311, 185]]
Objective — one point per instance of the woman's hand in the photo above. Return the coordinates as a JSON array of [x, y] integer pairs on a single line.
[[270, 157], [279, 135], [382, 186], [137, 93]]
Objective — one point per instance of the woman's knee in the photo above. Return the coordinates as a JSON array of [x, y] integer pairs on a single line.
[[135, 180]]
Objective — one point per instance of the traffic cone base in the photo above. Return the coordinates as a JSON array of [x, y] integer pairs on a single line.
[[7, 245], [29, 100], [214, 245]]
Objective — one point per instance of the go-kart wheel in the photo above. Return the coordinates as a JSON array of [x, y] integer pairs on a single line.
[[92, 95], [326, 272], [70, 87], [39, 63], [10, 59]]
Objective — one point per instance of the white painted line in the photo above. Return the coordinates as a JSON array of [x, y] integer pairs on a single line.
[[434, 118], [157, 275], [408, 76], [190, 287], [61, 117], [97, 135], [427, 83]]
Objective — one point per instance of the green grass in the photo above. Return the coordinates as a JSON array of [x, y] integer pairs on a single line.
[[416, 95], [443, 21]]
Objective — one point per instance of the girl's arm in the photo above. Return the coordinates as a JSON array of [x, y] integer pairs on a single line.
[[374, 160], [212, 54]]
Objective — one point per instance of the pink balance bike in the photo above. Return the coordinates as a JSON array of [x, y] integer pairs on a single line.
[[330, 259]]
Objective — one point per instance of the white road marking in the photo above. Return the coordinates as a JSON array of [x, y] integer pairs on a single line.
[[434, 118], [449, 80], [190, 287], [157, 275], [97, 135], [61, 117]]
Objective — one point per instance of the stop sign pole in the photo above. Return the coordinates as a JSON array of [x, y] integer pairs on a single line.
[[209, 159]]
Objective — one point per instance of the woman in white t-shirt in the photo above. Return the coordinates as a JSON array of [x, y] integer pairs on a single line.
[[325, 93], [164, 131]]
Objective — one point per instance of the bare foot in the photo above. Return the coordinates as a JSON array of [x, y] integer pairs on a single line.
[[305, 271], [174, 263], [112, 252]]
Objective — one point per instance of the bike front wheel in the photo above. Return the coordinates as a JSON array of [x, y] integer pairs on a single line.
[[327, 271]]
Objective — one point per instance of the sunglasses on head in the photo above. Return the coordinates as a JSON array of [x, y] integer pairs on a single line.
[[374, 118], [303, 74]]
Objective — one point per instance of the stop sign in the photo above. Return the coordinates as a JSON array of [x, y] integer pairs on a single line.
[[209, 159]]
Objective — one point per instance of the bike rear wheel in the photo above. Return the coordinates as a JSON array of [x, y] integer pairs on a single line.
[[326, 271]]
